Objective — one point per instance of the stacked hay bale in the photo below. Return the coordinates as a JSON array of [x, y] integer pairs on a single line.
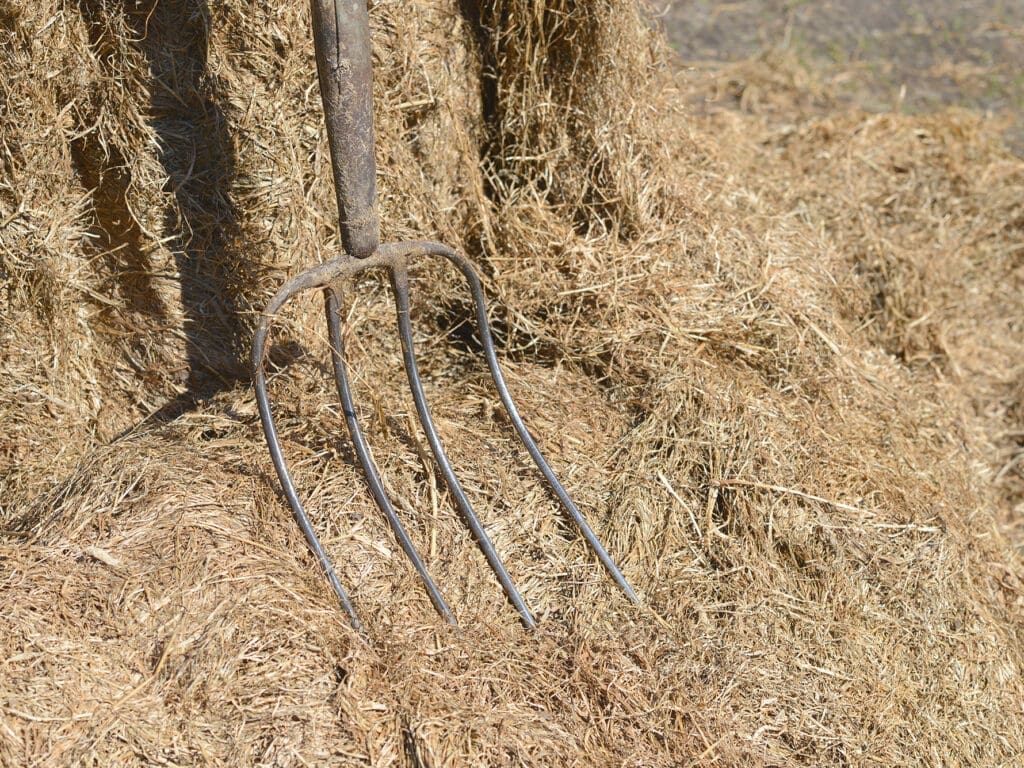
[[776, 368]]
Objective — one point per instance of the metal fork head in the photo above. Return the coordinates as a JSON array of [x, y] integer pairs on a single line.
[[395, 258]]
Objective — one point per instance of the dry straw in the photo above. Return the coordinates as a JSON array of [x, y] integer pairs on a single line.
[[774, 353]]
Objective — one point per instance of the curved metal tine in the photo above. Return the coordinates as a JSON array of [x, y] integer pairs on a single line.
[[333, 304], [277, 455], [400, 283], [506, 398]]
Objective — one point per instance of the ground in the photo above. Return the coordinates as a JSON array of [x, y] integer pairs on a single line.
[[918, 55], [772, 343]]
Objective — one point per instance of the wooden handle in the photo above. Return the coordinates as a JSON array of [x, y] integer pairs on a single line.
[[341, 36]]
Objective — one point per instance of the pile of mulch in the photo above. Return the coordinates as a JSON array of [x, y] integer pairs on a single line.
[[776, 360]]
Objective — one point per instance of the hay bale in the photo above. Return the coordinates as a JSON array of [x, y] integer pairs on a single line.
[[776, 365]]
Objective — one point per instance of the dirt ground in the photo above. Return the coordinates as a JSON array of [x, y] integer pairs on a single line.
[[915, 56]]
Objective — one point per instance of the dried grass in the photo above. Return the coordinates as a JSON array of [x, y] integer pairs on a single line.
[[777, 363]]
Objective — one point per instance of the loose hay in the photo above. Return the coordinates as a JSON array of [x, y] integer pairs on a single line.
[[779, 366]]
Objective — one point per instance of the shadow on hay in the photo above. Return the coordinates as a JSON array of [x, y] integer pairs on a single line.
[[201, 229]]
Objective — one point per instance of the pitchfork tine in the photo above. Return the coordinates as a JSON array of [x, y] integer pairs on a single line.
[[269, 430], [524, 435], [400, 283], [333, 308]]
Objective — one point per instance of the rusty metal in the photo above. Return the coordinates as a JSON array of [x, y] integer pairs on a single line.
[[342, 39]]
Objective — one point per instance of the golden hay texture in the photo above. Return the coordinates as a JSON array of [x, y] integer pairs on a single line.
[[777, 363]]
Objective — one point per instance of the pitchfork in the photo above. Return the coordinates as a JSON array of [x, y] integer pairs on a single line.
[[341, 36]]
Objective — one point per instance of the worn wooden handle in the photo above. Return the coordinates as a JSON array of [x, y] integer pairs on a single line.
[[341, 36]]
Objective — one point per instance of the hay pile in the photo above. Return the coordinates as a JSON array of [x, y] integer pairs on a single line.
[[777, 364]]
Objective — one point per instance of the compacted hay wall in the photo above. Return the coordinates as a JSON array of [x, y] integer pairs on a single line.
[[777, 365]]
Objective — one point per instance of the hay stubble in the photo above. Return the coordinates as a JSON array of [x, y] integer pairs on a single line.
[[774, 366]]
